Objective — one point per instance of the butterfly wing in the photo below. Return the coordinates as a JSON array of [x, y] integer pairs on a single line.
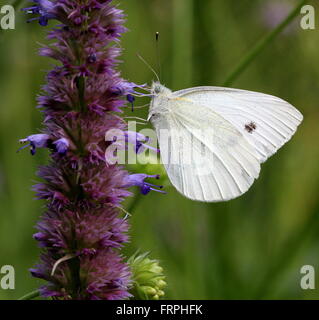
[[267, 122], [205, 156]]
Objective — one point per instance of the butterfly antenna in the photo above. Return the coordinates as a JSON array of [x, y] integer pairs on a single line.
[[158, 54], [148, 65]]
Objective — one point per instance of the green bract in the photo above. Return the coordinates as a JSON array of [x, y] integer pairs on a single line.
[[148, 278]]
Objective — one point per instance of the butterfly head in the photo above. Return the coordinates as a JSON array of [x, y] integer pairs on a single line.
[[159, 101], [158, 89]]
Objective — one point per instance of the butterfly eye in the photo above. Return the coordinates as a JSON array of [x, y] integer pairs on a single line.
[[157, 89], [154, 116]]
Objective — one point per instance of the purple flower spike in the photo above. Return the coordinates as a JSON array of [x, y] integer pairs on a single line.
[[62, 146], [82, 229], [40, 140], [137, 179]]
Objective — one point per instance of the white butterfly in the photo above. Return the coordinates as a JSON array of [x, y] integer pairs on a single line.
[[227, 133]]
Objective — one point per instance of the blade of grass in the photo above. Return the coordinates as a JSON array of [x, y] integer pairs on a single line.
[[287, 254], [261, 45], [31, 295], [182, 59]]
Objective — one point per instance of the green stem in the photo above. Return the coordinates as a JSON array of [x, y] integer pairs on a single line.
[[134, 203], [74, 266], [31, 295], [261, 44], [81, 89]]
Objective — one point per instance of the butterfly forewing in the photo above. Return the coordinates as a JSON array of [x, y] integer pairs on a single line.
[[267, 122], [205, 156]]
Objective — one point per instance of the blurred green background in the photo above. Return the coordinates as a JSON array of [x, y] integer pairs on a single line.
[[249, 248]]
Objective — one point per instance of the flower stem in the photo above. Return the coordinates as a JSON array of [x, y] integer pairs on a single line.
[[74, 266], [261, 44], [31, 295], [134, 203], [81, 89]]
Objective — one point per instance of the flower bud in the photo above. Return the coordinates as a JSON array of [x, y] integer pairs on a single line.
[[148, 279]]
